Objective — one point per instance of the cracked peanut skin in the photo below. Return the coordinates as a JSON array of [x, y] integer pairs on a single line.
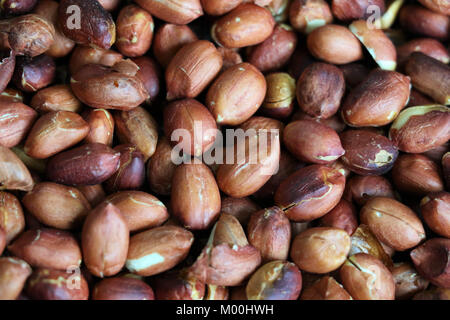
[[393, 223]]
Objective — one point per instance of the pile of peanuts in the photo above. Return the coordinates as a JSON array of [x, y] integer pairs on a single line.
[[110, 109]]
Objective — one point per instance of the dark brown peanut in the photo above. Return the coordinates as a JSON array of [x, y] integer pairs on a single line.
[[195, 119], [32, 75], [320, 90], [321, 189], [202, 207], [192, 68], [360, 189], [275, 52], [435, 210], [134, 31]]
